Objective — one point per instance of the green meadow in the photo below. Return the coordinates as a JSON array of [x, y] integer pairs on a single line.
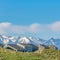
[[47, 54]]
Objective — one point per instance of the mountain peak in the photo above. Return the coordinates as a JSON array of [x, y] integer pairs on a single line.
[[25, 40], [28, 40]]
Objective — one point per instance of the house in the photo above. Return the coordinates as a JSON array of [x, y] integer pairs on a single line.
[[21, 47]]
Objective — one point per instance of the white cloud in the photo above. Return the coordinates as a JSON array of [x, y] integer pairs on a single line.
[[9, 28], [34, 27], [5, 24], [55, 26], [3, 27], [6, 28]]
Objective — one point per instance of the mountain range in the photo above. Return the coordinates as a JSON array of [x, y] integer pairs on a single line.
[[29, 40]]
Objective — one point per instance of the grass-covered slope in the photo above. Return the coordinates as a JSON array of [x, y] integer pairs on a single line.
[[47, 54]]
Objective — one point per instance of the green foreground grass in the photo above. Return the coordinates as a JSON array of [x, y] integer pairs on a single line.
[[47, 54]]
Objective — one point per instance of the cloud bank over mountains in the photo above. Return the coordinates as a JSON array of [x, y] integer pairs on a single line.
[[9, 28]]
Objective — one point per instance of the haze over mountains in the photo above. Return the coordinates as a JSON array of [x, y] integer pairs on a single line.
[[28, 40]]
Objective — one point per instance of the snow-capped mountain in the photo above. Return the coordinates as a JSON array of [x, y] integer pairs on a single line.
[[25, 40], [53, 41], [8, 39], [56, 42], [36, 40], [28, 40], [17, 39]]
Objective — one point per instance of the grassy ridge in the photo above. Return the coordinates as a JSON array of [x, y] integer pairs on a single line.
[[47, 54]]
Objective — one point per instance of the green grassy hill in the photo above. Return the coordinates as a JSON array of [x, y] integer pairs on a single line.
[[47, 54]]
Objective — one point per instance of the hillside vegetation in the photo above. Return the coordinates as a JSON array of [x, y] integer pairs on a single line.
[[47, 54]]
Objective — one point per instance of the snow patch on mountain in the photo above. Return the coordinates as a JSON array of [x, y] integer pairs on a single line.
[[29, 40]]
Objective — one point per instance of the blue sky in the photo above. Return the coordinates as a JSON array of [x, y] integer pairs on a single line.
[[28, 12]]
